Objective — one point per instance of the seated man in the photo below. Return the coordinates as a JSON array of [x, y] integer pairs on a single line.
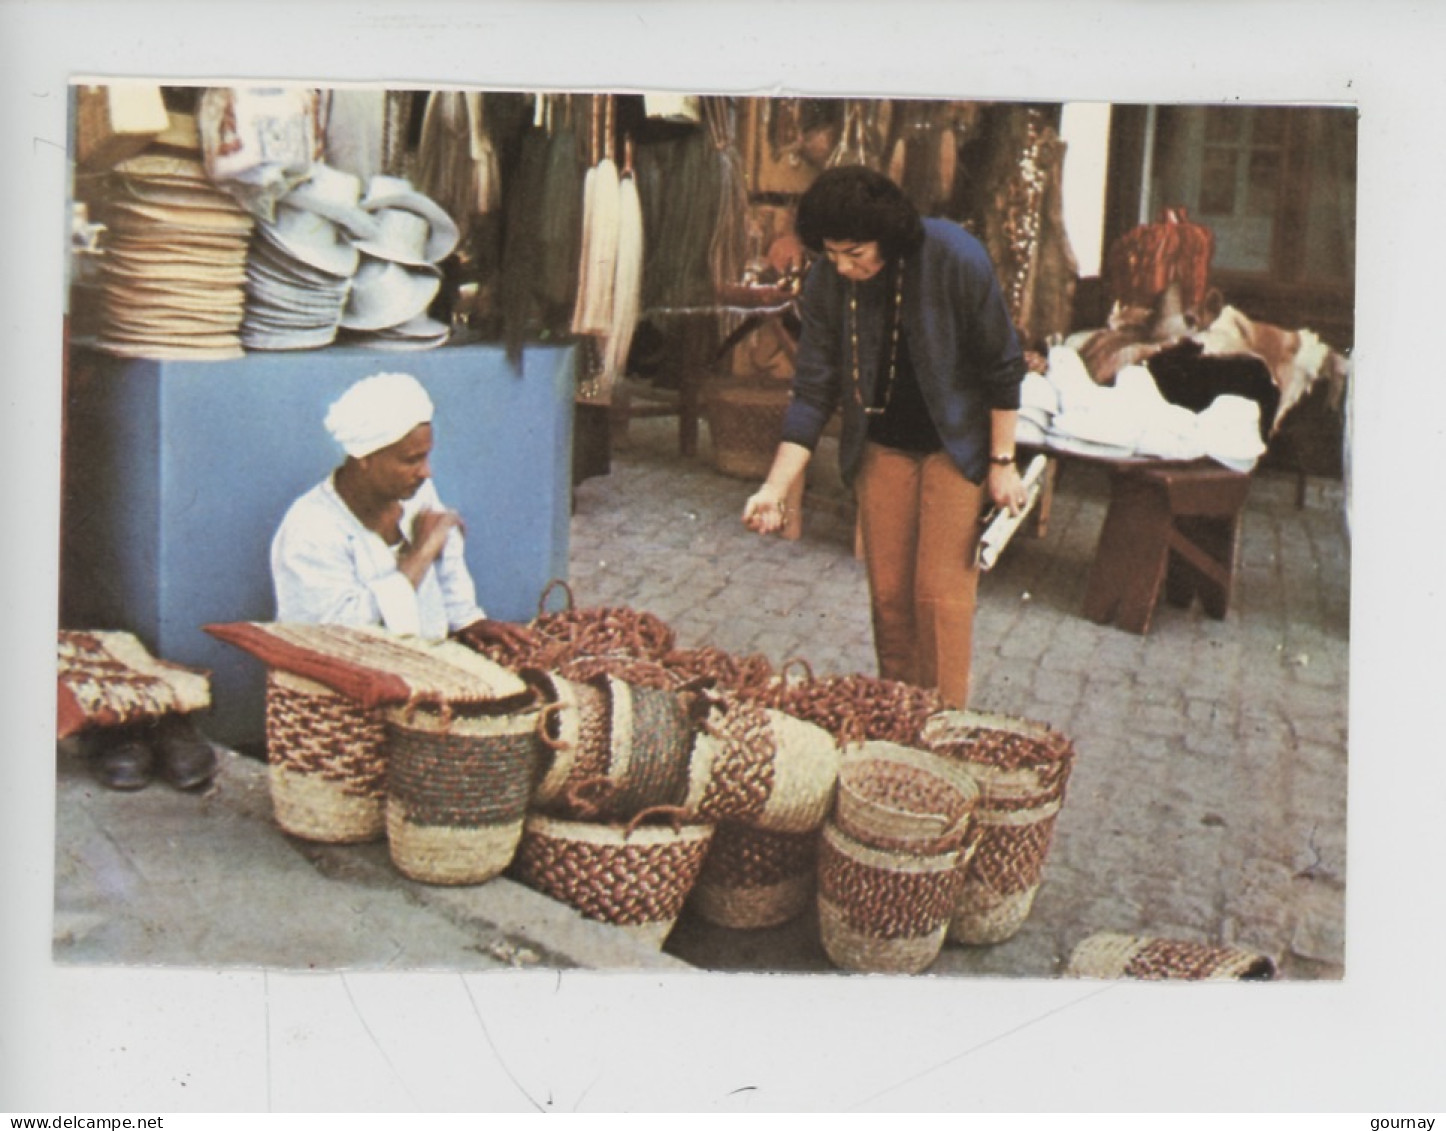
[[371, 544]]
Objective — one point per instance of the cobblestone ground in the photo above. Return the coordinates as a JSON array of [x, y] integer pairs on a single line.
[[1208, 799]]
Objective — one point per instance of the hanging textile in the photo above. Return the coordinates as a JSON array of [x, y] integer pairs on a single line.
[[601, 201], [678, 185], [1021, 178], [447, 160], [861, 142], [923, 154], [627, 287], [728, 251], [561, 221], [522, 244], [609, 288]]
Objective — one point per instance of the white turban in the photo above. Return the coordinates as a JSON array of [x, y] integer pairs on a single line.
[[377, 411]]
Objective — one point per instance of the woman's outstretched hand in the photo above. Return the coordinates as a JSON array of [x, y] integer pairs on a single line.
[[765, 512]]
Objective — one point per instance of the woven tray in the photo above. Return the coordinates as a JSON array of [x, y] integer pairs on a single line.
[[753, 878], [377, 668], [326, 762], [635, 875], [756, 766], [894, 797], [457, 791], [883, 912], [1109, 955]]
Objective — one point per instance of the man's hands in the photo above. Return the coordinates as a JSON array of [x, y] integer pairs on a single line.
[[497, 639]]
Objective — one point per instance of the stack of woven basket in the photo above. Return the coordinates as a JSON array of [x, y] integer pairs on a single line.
[[890, 867]]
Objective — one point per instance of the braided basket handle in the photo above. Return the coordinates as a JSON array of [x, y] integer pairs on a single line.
[[788, 663], [675, 815], [556, 582], [549, 712], [576, 796]]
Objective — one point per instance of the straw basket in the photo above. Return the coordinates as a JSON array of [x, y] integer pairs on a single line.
[[1021, 768], [326, 760], [745, 423], [635, 875], [636, 739], [1110, 955], [894, 797], [756, 766], [754, 878], [458, 787], [881, 911]]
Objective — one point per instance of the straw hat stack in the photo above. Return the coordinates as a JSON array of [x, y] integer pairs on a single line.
[[398, 276], [174, 260], [302, 264]]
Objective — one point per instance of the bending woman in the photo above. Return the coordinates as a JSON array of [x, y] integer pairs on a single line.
[[905, 332]]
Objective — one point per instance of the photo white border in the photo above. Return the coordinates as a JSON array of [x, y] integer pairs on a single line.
[[137, 1041]]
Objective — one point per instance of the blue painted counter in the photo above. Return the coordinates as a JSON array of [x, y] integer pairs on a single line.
[[177, 473]]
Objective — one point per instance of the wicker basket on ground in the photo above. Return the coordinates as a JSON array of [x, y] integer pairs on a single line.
[[574, 731], [1022, 768], [636, 739], [326, 762], [881, 911], [745, 421], [458, 785], [327, 688], [753, 878], [634, 875], [756, 766], [897, 798], [1110, 955]]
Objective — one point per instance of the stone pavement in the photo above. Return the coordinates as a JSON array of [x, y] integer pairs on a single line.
[[1208, 800]]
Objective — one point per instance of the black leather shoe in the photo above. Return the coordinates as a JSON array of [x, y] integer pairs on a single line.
[[184, 757], [124, 764]]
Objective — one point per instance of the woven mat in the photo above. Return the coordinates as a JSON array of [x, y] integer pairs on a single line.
[[376, 668], [110, 679]]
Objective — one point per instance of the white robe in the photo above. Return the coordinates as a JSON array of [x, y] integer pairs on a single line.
[[327, 568]]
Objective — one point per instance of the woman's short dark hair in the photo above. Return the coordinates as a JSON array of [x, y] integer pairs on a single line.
[[855, 203]]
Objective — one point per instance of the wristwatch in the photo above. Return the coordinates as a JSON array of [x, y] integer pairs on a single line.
[[1001, 461]]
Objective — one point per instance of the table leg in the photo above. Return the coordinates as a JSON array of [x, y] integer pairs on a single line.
[[1130, 562]]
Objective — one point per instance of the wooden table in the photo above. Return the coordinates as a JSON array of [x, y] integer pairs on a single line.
[[1171, 527]]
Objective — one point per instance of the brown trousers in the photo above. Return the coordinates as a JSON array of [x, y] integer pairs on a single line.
[[919, 518]]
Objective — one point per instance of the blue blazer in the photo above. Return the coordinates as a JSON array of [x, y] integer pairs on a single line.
[[965, 353]]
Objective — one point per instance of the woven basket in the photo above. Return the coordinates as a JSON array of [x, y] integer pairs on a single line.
[[574, 731], [894, 797], [635, 739], [635, 875], [326, 762], [1022, 769], [884, 912], [756, 766], [457, 791], [746, 423], [1154, 959], [754, 878]]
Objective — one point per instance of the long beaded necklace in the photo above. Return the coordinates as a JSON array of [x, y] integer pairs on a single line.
[[870, 410]]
